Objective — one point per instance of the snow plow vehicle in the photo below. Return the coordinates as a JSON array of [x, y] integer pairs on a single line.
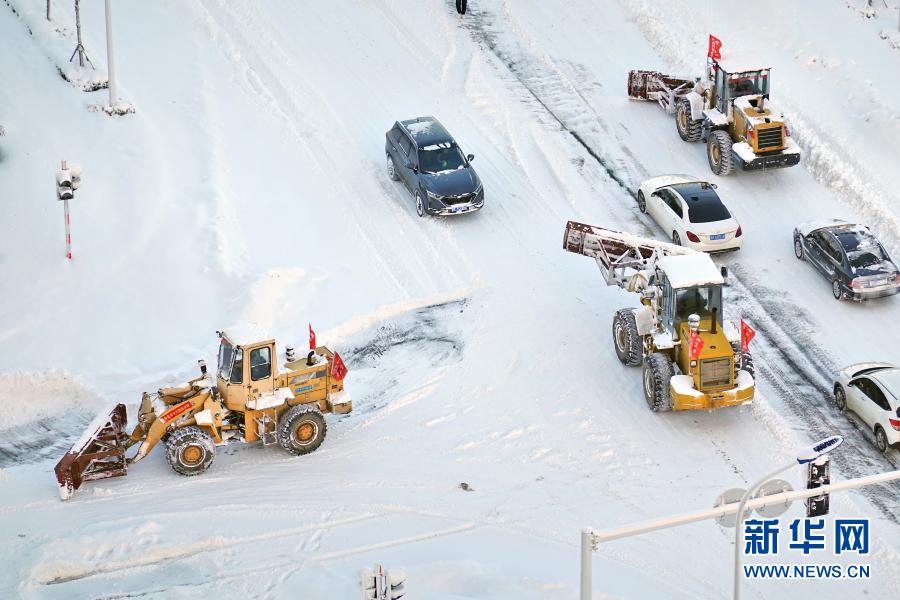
[[692, 359], [729, 109], [251, 400]]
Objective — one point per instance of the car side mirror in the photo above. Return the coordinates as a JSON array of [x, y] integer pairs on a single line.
[[851, 384], [412, 167], [470, 157]]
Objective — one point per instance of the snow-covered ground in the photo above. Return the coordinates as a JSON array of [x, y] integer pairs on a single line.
[[248, 188]]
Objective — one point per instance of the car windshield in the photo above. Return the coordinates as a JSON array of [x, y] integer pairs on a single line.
[[862, 249], [704, 205], [870, 257], [707, 210], [226, 354], [697, 300], [748, 83], [443, 157]]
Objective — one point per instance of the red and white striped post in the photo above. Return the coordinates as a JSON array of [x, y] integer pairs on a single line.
[[65, 167], [67, 181]]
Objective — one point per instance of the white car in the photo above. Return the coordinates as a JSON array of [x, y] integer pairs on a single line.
[[690, 212], [871, 391]]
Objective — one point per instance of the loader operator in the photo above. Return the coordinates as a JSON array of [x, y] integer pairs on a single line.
[[692, 301]]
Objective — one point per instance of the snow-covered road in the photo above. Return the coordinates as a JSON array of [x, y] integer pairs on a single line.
[[249, 188]]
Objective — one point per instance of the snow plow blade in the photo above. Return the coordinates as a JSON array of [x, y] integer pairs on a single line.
[[659, 87], [98, 454]]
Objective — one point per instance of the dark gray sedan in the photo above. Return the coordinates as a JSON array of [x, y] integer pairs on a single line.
[[850, 257], [424, 156]]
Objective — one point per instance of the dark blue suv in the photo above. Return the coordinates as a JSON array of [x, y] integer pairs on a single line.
[[426, 158]]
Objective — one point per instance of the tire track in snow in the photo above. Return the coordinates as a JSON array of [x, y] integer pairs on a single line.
[[236, 25], [549, 87]]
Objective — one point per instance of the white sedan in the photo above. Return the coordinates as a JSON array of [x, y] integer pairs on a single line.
[[871, 391], [690, 212]]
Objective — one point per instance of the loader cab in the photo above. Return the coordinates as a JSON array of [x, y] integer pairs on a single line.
[[245, 371], [735, 81], [691, 284]]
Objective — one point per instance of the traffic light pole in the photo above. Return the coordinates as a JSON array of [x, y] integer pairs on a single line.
[[590, 539], [68, 230]]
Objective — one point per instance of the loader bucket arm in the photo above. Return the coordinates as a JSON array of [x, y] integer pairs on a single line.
[[98, 454], [619, 255]]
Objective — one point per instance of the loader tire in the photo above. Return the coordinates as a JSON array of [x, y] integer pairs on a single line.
[[746, 361], [747, 364], [718, 151], [301, 429], [658, 372], [688, 129], [190, 450], [626, 339]]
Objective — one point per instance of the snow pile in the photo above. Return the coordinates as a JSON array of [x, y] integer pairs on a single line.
[[42, 414], [26, 398], [59, 40]]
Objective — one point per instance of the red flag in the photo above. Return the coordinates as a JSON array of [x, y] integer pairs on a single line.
[[747, 334], [695, 345], [312, 338], [715, 44], [338, 368]]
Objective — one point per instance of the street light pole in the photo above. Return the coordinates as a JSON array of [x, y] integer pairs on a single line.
[[739, 530], [110, 60], [807, 455]]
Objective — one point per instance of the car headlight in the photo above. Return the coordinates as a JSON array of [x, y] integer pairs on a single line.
[[432, 195]]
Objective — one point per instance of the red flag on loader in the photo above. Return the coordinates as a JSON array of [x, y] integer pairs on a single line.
[[695, 345], [747, 334], [312, 338], [338, 368], [715, 44]]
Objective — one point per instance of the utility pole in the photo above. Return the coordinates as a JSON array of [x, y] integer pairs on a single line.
[[110, 62]]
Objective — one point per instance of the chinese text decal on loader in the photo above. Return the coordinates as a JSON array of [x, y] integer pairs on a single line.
[[251, 400], [729, 109], [692, 359]]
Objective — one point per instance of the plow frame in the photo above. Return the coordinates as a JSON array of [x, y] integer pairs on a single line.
[[99, 454], [664, 89], [619, 255]]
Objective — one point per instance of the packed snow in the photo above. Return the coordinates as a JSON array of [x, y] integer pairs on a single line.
[[491, 418]]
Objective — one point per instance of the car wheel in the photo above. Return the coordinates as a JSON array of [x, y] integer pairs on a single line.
[[836, 290], [881, 439], [642, 202], [798, 248], [676, 239], [420, 206], [392, 169], [840, 398]]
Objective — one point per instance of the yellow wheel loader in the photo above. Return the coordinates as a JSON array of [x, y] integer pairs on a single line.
[[729, 109], [254, 397], [681, 304]]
